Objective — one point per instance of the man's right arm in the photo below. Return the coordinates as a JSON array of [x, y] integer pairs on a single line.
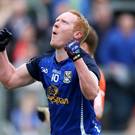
[[9, 75], [12, 77]]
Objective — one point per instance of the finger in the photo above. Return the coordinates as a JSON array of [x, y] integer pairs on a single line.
[[4, 42], [9, 34]]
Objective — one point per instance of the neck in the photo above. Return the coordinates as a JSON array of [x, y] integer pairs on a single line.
[[61, 54]]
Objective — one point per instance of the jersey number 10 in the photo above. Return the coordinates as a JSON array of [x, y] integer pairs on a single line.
[[55, 77]]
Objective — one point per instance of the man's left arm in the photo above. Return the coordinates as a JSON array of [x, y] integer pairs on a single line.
[[87, 79]]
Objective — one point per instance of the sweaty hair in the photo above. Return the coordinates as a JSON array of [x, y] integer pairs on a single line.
[[82, 24], [91, 40]]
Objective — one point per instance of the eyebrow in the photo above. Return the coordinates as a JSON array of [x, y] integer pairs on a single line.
[[57, 19], [65, 21]]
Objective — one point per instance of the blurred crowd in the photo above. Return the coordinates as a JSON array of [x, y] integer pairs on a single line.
[[31, 21]]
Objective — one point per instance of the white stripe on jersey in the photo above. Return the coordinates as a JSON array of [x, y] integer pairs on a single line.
[[81, 123]]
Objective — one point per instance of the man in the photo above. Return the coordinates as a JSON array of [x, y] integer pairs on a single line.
[[69, 76], [90, 45]]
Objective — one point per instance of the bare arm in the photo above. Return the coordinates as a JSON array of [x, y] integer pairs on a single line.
[[11, 77], [99, 104], [87, 79]]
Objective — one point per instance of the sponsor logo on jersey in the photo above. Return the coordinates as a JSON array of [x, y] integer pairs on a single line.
[[67, 76], [45, 70], [53, 96]]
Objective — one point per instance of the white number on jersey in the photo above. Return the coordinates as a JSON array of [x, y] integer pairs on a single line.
[[55, 77]]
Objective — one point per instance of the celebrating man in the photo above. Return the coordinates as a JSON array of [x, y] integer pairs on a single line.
[[69, 75]]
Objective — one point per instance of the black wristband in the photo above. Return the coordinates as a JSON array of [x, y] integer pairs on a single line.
[[76, 57]]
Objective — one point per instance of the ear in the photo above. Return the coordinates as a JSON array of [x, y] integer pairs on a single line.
[[78, 35]]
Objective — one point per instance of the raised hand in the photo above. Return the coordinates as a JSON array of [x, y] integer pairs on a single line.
[[5, 37], [73, 50]]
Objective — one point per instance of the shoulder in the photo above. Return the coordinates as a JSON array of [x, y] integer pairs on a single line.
[[34, 65], [39, 58], [88, 59]]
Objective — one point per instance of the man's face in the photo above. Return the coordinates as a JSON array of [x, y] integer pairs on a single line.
[[63, 30]]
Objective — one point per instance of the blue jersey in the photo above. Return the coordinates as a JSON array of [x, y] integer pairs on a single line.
[[70, 112]]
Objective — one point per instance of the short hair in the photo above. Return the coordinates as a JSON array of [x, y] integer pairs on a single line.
[[82, 24], [92, 40]]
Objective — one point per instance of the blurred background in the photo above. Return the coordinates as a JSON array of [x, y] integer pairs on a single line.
[[31, 21]]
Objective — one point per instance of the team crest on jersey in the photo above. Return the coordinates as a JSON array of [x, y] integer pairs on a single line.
[[67, 76]]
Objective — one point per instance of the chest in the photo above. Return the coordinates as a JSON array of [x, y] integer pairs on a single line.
[[57, 74], [59, 82]]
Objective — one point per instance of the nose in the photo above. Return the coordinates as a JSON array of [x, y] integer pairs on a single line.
[[56, 24]]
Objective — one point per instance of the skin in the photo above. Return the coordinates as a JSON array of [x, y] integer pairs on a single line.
[[65, 32]]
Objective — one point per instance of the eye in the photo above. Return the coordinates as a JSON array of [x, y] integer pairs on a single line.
[[57, 20]]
